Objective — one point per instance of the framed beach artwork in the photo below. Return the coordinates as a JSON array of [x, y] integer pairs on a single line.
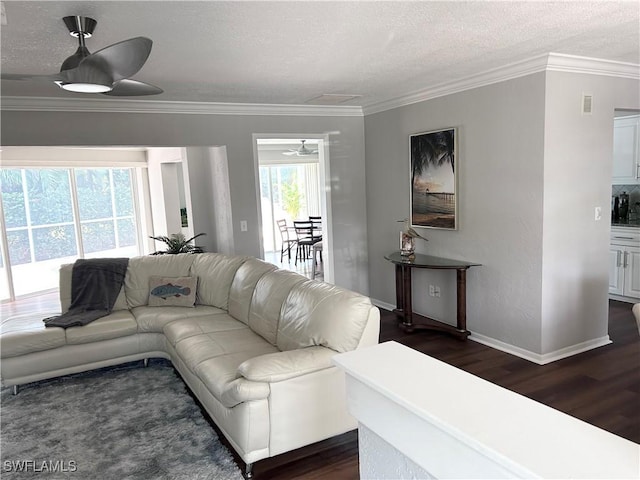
[[434, 196]]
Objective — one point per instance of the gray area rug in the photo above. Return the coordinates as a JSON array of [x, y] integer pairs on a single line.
[[125, 422]]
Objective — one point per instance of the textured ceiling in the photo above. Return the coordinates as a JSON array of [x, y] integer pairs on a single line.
[[291, 52]]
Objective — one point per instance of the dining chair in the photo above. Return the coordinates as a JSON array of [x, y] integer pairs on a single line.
[[305, 239], [287, 242], [316, 222]]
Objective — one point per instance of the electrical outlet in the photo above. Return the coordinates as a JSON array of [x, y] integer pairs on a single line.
[[598, 213], [243, 226], [432, 291], [437, 291]]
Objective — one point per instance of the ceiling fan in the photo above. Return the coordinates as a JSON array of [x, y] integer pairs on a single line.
[[106, 71], [301, 152]]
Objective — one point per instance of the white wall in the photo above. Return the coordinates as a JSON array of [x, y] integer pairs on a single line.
[[500, 175], [212, 209], [346, 138], [578, 165], [531, 171]]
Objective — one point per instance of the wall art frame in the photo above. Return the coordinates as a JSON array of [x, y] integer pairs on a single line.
[[434, 179]]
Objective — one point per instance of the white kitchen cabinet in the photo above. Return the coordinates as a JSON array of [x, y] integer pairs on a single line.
[[616, 272], [626, 151], [624, 264], [631, 272]]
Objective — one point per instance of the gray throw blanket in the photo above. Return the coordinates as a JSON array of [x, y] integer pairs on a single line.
[[95, 285]]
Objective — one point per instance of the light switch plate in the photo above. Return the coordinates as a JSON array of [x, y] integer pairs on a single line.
[[598, 213]]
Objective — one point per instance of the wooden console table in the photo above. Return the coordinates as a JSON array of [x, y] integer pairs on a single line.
[[403, 292]]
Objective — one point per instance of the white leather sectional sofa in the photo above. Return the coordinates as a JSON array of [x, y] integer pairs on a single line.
[[255, 349]]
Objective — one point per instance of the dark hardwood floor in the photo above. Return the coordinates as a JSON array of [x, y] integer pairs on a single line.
[[601, 387]]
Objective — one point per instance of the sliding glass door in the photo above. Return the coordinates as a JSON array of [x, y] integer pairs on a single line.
[[54, 216], [287, 192]]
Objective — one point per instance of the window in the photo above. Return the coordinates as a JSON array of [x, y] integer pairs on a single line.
[[54, 215]]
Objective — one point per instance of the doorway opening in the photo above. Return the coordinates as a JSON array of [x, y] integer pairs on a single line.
[[292, 175]]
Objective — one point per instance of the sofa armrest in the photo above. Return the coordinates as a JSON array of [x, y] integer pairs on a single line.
[[275, 367], [242, 390]]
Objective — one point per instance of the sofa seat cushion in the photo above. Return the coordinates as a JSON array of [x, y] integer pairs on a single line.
[[199, 348], [189, 327], [22, 334], [115, 325], [220, 376], [154, 319]]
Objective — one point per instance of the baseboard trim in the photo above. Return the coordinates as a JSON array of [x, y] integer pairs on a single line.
[[540, 359], [622, 298], [381, 304]]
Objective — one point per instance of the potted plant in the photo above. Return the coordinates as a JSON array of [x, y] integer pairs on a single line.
[[178, 243]]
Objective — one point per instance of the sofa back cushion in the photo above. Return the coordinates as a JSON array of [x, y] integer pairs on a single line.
[[141, 269], [215, 272], [243, 286], [266, 304], [172, 291], [65, 291], [316, 313]]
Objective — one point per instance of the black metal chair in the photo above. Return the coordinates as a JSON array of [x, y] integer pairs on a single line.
[[305, 239], [287, 242], [316, 223]]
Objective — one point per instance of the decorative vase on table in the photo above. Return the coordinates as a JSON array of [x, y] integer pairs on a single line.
[[408, 240], [407, 245]]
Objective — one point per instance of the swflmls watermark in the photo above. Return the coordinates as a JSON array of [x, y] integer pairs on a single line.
[[40, 466]]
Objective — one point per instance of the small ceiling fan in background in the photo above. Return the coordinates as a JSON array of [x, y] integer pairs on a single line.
[[106, 71], [301, 152]]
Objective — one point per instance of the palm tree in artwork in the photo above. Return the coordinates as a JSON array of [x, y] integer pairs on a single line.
[[431, 149]]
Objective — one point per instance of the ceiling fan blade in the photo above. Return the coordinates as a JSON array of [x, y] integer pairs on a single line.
[[20, 76], [130, 88], [123, 59]]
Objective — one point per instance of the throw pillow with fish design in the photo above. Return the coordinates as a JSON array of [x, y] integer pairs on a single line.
[[172, 291]]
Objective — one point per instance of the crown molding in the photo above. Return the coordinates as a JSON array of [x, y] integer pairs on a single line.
[[547, 62], [56, 104], [558, 62]]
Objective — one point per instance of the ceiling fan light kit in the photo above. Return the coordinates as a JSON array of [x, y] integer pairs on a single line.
[[84, 87]]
